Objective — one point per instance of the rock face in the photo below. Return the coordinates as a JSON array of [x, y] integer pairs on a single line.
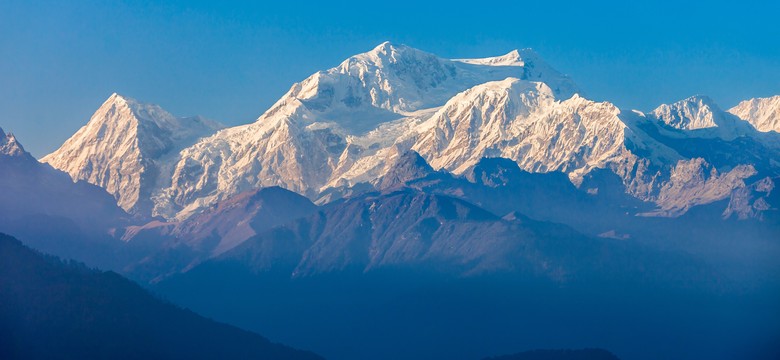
[[125, 148], [762, 113], [753, 200], [695, 182], [10, 147]]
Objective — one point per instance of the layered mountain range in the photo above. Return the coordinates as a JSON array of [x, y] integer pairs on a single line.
[[430, 187]]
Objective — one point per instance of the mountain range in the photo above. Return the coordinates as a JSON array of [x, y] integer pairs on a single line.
[[461, 207], [343, 127], [399, 116]]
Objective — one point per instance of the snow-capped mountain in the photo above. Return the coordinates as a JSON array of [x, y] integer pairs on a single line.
[[126, 147], [336, 127], [348, 125], [703, 117], [762, 113], [696, 112], [407, 167], [343, 129], [522, 121]]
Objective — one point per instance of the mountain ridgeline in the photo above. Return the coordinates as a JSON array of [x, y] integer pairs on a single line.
[[341, 129], [402, 205], [45, 208]]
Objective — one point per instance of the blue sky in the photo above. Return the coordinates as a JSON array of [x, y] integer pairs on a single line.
[[230, 61]]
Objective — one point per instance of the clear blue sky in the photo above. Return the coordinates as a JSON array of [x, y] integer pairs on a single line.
[[230, 61]]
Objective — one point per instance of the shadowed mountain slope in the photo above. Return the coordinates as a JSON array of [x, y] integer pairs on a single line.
[[51, 309]]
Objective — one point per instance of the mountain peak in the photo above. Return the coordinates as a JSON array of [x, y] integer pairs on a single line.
[[118, 100], [700, 100], [9, 146], [115, 97], [494, 171], [387, 52], [131, 109], [386, 47], [513, 58], [695, 112], [149, 118], [349, 119], [521, 57], [762, 113], [125, 139], [409, 166], [389, 47]]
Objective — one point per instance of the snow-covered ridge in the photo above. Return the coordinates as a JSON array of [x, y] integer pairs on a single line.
[[703, 118], [696, 112], [762, 113], [400, 79], [522, 121], [512, 58]]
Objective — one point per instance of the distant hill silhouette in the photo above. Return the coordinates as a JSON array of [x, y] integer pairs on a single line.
[[48, 211], [50, 309], [583, 354]]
